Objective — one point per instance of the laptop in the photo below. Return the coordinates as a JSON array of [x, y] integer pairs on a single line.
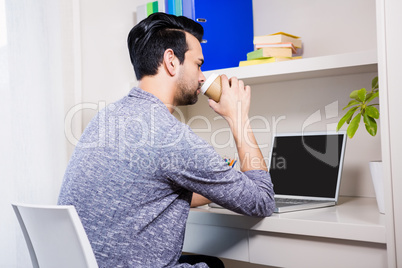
[[306, 169]]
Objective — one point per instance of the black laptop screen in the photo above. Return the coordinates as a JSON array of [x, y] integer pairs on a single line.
[[307, 165]]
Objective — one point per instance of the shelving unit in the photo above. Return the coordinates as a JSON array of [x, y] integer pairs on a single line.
[[333, 65]]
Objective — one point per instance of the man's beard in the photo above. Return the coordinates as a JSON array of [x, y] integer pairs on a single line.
[[185, 94]]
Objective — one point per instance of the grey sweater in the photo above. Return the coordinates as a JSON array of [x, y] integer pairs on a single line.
[[131, 179]]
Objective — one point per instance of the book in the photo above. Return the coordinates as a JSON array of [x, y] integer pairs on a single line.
[[280, 37], [266, 60], [267, 52], [178, 7], [174, 7], [171, 7], [143, 11], [290, 45], [152, 7]]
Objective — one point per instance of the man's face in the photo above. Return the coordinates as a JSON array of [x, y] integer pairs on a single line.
[[190, 76]]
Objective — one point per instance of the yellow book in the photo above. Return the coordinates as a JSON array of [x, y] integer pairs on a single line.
[[280, 45], [266, 60], [279, 37], [283, 33]]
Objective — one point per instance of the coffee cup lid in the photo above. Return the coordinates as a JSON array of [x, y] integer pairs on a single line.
[[208, 83]]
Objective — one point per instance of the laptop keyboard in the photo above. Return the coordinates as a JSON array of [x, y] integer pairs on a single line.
[[290, 201]]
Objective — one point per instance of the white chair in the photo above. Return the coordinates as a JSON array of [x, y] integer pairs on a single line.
[[55, 236]]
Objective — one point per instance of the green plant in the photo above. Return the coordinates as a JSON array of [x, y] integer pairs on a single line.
[[360, 103]]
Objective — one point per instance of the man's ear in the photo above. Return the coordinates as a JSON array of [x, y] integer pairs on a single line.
[[170, 61]]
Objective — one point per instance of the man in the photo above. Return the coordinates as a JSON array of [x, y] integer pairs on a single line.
[[133, 174]]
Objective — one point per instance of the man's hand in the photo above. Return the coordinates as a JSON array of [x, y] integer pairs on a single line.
[[198, 200], [234, 106]]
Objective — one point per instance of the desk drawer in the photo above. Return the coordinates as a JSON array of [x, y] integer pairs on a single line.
[[217, 241], [287, 250]]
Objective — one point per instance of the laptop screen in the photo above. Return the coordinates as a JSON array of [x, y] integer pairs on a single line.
[[307, 165]]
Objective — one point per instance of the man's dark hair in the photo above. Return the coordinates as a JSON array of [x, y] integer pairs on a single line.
[[149, 39]]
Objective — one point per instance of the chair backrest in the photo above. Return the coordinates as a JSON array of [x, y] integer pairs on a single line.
[[55, 236]]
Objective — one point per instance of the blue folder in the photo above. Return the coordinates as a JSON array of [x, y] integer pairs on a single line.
[[228, 30]]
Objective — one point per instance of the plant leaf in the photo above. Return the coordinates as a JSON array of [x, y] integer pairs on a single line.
[[370, 124], [354, 95], [354, 125], [350, 117], [374, 83], [351, 103], [346, 118], [372, 97], [373, 112], [362, 94], [368, 95]]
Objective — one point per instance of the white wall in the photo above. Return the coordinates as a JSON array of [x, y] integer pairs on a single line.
[[107, 73], [326, 27], [285, 107]]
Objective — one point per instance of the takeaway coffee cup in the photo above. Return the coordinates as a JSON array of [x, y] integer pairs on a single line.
[[212, 88]]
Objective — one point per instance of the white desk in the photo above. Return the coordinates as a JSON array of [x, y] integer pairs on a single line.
[[351, 234]]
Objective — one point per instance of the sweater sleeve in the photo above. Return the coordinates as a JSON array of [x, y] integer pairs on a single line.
[[193, 164]]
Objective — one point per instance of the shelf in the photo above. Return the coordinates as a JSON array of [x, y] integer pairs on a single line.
[[354, 219], [333, 65]]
